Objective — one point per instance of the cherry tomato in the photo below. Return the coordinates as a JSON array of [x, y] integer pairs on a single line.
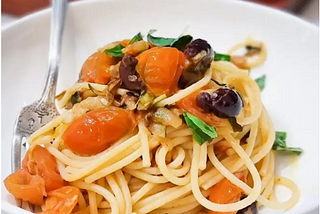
[[26, 187], [95, 68], [189, 104], [161, 68], [226, 192], [40, 161], [61, 201], [97, 130]]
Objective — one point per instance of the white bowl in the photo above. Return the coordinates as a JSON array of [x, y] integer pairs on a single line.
[[290, 96]]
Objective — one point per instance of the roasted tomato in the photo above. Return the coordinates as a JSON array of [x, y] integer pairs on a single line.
[[161, 68], [95, 68], [189, 104], [225, 192], [40, 161], [26, 187], [61, 201], [97, 130]]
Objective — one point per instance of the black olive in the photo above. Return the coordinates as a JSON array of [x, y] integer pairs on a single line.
[[199, 55], [128, 74], [224, 102], [187, 78], [196, 46], [205, 101]]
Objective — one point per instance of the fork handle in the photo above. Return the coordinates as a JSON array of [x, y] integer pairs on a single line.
[[59, 8], [16, 153]]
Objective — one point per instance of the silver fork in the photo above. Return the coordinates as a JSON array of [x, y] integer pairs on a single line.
[[34, 116]]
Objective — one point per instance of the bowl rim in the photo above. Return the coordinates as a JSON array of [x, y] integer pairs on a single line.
[[8, 207], [254, 5]]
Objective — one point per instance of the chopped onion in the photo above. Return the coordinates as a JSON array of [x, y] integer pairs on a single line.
[[166, 117], [145, 101], [157, 129], [122, 91]]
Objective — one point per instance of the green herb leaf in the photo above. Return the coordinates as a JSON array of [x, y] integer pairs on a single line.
[[198, 135], [179, 43], [116, 51], [202, 132], [182, 42], [24, 144], [76, 98], [297, 151], [208, 130], [221, 57], [136, 38], [281, 139], [261, 81], [159, 41], [235, 125], [281, 145]]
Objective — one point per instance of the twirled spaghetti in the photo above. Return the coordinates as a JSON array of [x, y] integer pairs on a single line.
[[161, 164]]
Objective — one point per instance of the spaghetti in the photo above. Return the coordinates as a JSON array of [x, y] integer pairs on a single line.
[[159, 164]]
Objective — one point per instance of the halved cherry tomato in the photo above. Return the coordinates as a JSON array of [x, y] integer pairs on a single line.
[[189, 104], [61, 201], [26, 187], [161, 68], [97, 130], [226, 192], [95, 68], [40, 161]]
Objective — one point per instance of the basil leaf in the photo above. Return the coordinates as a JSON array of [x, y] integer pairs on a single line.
[[136, 38], [235, 125], [280, 139], [179, 43], [202, 132], [281, 145], [76, 98], [116, 51], [261, 81], [182, 42], [208, 130], [297, 151], [159, 41], [198, 135], [221, 57]]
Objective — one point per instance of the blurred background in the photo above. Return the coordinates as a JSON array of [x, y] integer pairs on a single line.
[[308, 10]]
